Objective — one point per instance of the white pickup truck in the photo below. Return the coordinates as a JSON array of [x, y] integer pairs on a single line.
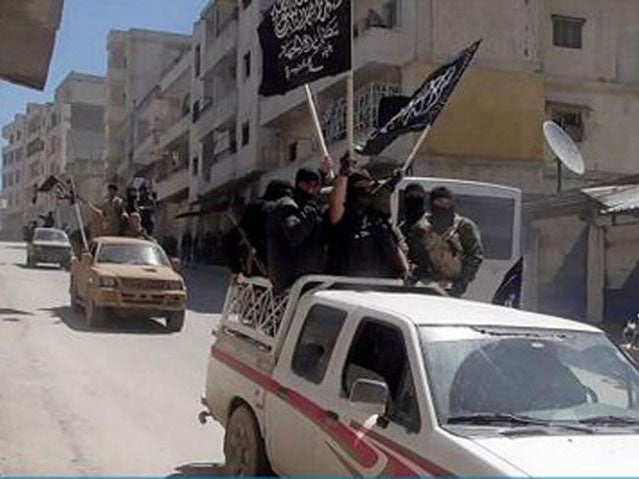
[[378, 380]]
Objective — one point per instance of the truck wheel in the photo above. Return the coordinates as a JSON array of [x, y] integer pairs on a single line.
[[94, 315], [175, 321], [243, 445]]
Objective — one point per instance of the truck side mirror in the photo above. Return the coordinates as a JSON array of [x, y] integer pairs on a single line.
[[176, 264], [370, 396]]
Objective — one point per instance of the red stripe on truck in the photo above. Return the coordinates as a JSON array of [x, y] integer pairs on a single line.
[[349, 439]]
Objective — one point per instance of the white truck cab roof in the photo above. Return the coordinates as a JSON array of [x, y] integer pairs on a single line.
[[422, 310]]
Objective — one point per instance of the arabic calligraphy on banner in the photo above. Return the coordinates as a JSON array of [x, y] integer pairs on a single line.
[[303, 41]]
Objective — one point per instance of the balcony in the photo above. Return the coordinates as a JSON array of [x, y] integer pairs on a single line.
[[175, 131], [144, 152], [216, 114], [174, 183], [384, 46], [218, 47], [221, 172]]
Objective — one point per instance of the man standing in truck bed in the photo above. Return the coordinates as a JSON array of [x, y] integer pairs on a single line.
[[443, 245]]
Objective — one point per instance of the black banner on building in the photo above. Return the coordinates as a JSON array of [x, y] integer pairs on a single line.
[[415, 113], [303, 41]]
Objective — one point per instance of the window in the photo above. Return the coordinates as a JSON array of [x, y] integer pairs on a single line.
[[378, 353], [197, 60], [567, 31], [233, 140], [246, 3], [11, 139], [245, 134], [316, 342], [195, 111], [18, 136], [292, 151], [196, 166], [247, 65], [570, 118], [186, 105]]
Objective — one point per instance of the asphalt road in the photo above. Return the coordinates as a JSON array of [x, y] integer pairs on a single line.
[[122, 400]]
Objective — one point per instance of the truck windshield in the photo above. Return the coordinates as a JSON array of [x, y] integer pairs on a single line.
[[50, 235], [481, 373], [145, 255]]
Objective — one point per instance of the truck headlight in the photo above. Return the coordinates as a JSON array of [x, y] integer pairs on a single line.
[[107, 282], [176, 285]]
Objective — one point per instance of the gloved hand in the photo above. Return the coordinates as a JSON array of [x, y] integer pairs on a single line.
[[346, 165], [458, 289], [394, 180]]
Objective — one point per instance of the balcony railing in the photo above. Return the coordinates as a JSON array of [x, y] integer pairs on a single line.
[[366, 112]]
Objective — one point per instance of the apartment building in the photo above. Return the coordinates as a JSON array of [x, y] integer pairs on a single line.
[[64, 137], [161, 152], [137, 61]]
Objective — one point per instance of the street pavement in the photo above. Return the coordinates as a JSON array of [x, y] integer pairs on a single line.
[[122, 400]]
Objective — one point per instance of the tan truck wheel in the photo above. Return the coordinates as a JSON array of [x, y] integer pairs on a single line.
[[175, 321], [244, 446], [94, 315]]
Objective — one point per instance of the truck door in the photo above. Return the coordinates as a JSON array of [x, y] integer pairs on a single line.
[[296, 413], [378, 349]]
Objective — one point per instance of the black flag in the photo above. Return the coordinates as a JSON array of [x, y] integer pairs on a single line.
[[409, 114], [62, 190], [303, 41], [509, 292]]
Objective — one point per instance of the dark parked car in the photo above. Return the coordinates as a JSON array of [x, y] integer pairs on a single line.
[[49, 245]]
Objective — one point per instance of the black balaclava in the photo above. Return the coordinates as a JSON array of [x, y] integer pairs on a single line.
[[359, 197], [304, 175], [277, 189], [443, 217], [414, 203]]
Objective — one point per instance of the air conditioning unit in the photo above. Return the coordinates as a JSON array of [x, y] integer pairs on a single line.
[[222, 142]]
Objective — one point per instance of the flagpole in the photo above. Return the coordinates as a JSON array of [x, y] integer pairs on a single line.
[[350, 94], [78, 215], [316, 122], [411, 157]]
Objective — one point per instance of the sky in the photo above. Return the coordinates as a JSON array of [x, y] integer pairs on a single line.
[[81, 40]]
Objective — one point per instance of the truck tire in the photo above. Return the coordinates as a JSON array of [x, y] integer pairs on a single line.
[[244, 446], [94, 315], [175, 321]]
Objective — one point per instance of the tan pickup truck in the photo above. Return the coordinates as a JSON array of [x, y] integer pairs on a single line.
[[127, 275]]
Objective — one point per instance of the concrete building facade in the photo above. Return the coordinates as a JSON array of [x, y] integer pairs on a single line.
[[64, 137], [137, 61]]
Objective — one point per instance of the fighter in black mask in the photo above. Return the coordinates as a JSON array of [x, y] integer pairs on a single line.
[[444, 246], [295, 232], [362, 241], [414, 206]]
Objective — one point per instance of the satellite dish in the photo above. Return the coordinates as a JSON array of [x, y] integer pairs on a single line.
[[564, 147]]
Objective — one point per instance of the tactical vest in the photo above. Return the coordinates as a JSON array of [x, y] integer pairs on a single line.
[[444, 250]]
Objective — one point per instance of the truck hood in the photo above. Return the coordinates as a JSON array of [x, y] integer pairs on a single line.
[[137, 272], [598, 455]]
